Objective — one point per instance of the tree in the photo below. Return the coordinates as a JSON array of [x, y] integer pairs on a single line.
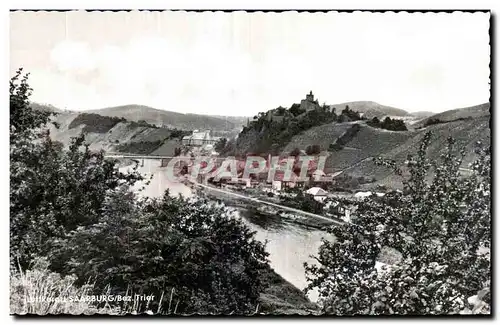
[[295, 110], [52, 190], [302, 201], [295, 152], [220, 144], [314, 149], [207, 259], [440, 228], [77, 209], [375, 122], [24, 120]]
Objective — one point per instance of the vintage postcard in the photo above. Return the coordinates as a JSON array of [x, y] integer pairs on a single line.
[[236, 163]]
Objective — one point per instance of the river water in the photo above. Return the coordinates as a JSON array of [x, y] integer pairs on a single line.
[[289, 245]]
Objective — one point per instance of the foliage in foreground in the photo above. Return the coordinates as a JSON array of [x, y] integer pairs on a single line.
[[52, 191], [209, 257], [39, 291], [441, 230]]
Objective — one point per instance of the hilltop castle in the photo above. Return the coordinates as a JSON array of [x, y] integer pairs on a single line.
[[309, 104]]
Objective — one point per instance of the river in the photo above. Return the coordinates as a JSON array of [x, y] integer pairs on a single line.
[[289, 245]]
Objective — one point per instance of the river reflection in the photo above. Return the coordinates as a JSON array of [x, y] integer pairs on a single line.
[[289, 245]]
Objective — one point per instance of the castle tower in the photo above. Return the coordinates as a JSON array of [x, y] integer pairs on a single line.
[[310, 97]]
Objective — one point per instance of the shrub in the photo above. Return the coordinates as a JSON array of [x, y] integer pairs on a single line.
[[220, 144], [440, 228], [349, 114], [314, 149], [432, 121], [210, 258], [302, 201], [295, 152], [388, 124]]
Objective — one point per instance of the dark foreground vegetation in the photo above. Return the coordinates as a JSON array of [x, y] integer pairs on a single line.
[[440, 231]]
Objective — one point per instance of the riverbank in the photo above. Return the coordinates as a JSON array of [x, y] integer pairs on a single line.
[[280, 297], [269, 209]]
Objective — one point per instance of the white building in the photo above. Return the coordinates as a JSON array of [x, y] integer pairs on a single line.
[[318, 193]]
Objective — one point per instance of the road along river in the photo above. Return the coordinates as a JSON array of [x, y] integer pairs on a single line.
[[289, 245]]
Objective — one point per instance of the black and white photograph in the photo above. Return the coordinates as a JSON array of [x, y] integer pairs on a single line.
[[250, 163]]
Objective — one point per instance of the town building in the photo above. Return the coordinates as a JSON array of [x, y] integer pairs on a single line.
[[199, 138], [318, 193], [320, 177]]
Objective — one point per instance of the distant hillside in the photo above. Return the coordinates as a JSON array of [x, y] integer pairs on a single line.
[[460, 113], [422, 114], [370, 143], [356, 156], [281, 129], [168, 118], [270, 132], [351, 143], [114, 134], [239, 121], [45, 107], [371, 109]]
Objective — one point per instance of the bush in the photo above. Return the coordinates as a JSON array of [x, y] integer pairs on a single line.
[[388, 124], [314, 149], [432, 121], [349, 115], [209, 258], [220, 144], [178, 134], [52, 191], [302, 201], [440, 229]]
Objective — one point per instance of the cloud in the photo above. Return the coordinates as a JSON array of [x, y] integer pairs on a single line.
[[242, 64], [72, 56]]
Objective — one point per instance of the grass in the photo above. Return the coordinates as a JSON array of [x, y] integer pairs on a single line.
[[38, 291], [42, 292], [281, 297]]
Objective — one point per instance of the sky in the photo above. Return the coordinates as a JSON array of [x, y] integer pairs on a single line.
[[242, 63]]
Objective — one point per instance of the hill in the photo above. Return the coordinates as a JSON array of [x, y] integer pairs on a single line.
[[372, 109], [356, 157], [351, 144], [422, 114], [114, 134], [45, 108], [239, 121], [168, 118], [456, 114], [466, 133]]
